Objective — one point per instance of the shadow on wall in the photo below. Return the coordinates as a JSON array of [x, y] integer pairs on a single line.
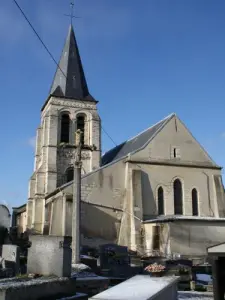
[[193, 239], [148, 201], [100, 222]]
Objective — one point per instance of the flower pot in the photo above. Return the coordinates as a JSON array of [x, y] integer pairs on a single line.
[[157, 274]]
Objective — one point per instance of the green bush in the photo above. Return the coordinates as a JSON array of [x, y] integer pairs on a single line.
[[200, 288]]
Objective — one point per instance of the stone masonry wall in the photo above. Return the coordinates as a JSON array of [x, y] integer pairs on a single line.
[[103, 198], [154, 176], [50, 161], [192, 238], [175, 135], [161, 173]]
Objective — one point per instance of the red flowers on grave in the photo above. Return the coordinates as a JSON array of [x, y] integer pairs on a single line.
[[155, 268]]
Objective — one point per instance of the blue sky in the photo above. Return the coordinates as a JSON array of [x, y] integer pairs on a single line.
[[143, 60]]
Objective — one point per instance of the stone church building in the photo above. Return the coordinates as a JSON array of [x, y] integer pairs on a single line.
[[158, 193]]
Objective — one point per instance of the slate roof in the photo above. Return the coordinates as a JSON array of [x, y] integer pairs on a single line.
[[69, 80], [135, 144]]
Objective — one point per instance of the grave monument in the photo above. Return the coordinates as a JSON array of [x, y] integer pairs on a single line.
[[114, 261]]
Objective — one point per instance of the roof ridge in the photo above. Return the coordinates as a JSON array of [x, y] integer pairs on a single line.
[[199, 144], [132, 145], [164, 122], [164, 119]]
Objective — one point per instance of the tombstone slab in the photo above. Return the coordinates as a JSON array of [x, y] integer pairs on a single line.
[[49, 255], [142, 287], [11, 256], [36, 289]]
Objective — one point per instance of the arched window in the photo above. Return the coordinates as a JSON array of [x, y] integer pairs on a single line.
[[65, 128], [194, 195], [178, 197], [160, 196], [69, 174], [81, 126]]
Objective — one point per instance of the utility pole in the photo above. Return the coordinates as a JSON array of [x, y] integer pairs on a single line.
[[76, 230]]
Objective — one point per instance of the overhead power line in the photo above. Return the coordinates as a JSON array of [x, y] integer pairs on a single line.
[[52, 57], [38, 36]]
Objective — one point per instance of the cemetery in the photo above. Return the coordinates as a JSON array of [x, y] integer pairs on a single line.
[[46, 272]]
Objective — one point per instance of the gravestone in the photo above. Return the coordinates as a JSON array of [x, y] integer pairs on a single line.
[[11, 256], [49, 255], [142, 287], [114, 261]]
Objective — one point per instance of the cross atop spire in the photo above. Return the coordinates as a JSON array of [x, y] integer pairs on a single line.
[[69, 80], [72, 12], [72, 15]]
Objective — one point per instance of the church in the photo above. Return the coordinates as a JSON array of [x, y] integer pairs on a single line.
[[159, 193]]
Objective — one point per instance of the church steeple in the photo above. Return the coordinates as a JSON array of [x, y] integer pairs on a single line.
[[69, 107], [69, 80]]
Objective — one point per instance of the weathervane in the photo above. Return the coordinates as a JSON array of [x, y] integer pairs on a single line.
[[72, 12]]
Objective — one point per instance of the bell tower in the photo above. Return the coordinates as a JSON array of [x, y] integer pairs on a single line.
[[68, 107]]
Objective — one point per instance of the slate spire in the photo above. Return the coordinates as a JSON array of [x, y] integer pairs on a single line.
[[69, 80]]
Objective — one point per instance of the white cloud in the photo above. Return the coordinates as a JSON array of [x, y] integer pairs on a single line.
[[32, 142], [223, 135]]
